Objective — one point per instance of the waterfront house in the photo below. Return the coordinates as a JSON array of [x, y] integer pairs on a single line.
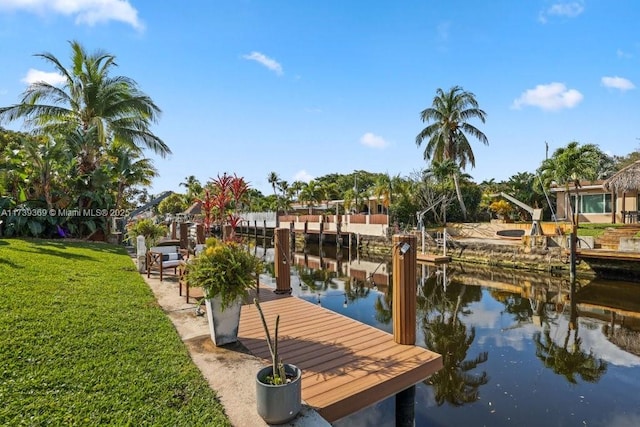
[[614, 200]]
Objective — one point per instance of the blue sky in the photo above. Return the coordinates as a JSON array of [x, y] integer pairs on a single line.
[[311, 88]]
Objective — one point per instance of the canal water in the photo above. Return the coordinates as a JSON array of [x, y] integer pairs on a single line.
[[519, 348]]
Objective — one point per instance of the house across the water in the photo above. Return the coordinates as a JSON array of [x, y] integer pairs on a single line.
[[613, 201]]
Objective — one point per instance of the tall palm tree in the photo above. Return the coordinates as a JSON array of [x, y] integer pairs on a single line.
[[446, 135], [100, 108], [91, 97], [273, 179]]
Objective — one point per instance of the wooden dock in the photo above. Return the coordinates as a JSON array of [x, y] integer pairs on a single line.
[[346, 365], [611, 264], [433, 259]]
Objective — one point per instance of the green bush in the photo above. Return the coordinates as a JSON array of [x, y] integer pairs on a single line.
[[224, 269], [147, 228]]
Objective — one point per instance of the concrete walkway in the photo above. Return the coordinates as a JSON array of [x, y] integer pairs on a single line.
[[230, 370]]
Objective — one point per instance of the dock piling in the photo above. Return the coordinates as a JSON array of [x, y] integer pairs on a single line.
[[281, 263]]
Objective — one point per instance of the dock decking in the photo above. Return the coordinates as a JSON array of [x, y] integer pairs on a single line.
[[346, 365], [433, 259]]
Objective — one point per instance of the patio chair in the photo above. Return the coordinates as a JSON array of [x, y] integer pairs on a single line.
[[162, 258]]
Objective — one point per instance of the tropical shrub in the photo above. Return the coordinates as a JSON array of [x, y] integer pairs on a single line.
[[224, 269]]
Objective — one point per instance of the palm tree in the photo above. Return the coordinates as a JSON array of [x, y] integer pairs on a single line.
[[382, 191], [91, 98], [45, 157], [94, 108], [297, 187], [128, 170], [193, 186], [446, 136], [273, 179], [568, 166]]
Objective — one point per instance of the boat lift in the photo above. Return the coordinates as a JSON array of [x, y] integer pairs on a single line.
[[536, 214]]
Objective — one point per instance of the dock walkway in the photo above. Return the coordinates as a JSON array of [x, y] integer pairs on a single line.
[[346, 365]]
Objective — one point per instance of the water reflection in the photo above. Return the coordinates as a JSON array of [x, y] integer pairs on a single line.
[[519, 348], [444, 333]]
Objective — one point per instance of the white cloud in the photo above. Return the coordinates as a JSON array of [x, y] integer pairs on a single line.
[[261, 58], [302, 175], [617, 83], [374, 141], [551, 97], [569, 10], [622, 54], [34, 76], [88, 12]]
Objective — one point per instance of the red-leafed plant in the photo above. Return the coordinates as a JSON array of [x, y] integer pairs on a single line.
[[227, 189], [207, 204]]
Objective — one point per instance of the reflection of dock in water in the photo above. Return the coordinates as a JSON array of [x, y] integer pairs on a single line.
[[360, 270], [601, 297], [597, 299]]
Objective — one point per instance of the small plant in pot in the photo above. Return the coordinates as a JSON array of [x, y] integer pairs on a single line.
[[278, 386], [225, 271]]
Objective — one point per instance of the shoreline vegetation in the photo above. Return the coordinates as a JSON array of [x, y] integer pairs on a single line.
[[85, 343]]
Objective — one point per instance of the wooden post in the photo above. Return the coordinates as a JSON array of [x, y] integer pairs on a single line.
[[281, 263], [184, 235], [174, 230], [292, 236], [200, 234], [227, 232], [404, 288], [255, 231], [264, 234], [404, 314]]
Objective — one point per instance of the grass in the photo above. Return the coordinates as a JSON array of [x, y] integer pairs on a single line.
[[594, 229], [84, 343]]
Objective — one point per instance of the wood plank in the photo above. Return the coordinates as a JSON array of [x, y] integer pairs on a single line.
[[346, 365], [433, 259]]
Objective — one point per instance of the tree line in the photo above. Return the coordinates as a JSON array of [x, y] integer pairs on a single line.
[[85, 143]]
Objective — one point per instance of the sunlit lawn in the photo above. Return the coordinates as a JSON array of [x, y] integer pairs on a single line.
[[84, 343]]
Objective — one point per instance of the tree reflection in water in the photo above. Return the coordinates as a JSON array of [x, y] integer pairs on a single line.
[[445, 333], [569, 360]]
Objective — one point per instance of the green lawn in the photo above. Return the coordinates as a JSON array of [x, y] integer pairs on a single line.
[[594, 229], [84, 343]]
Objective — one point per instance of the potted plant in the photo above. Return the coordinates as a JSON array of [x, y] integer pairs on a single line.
[[278, 386], [225, 271]]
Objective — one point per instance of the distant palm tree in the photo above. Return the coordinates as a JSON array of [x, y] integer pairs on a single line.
[[297, 187], [193, 186], [273, 179], [382, 191], [446, 135], [568, 166]]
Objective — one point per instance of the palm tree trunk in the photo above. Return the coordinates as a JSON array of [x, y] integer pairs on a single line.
[[463, 208]]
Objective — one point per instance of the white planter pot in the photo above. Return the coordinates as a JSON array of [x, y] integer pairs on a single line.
[[223, 324]]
